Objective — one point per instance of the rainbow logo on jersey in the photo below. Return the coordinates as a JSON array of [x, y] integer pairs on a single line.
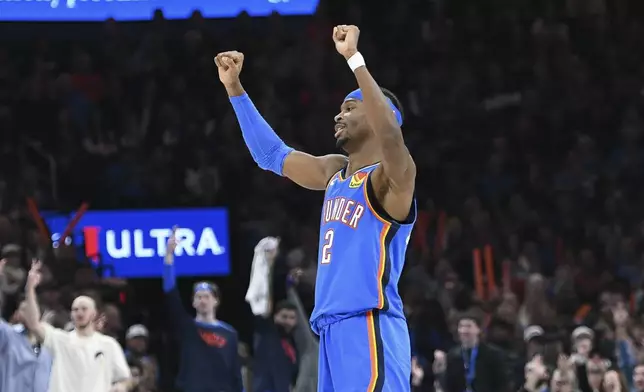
[[357, 179]]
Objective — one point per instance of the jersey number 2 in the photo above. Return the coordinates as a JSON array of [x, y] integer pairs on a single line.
[[326, 248]]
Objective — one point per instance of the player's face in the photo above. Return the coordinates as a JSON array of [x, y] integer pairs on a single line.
[[204, 302], [83, 312], [350, 125], [287, 319]]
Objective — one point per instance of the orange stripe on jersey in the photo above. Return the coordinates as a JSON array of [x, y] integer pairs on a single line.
[[373, 351], [383, 245], [381, 263]]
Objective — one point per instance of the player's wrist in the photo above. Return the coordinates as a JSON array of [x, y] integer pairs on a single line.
[[355, 60], [234, 89], [349, 53]]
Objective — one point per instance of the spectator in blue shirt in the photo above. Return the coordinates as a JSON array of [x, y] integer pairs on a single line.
[[25, 365]]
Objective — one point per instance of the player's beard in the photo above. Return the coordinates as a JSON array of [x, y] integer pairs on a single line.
[[341, 142]]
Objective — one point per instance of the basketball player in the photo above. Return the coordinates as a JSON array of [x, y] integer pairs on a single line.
[[367, 217], [84, 360]]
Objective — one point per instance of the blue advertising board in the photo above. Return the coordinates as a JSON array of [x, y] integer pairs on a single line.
[[132, 10], [133, 242]]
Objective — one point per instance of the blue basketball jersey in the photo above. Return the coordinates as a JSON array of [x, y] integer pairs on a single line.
[[361, 251]]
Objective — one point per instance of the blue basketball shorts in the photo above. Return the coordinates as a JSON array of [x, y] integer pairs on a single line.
[[368, 352]]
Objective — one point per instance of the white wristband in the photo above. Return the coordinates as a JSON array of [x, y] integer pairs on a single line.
[[356, 61]]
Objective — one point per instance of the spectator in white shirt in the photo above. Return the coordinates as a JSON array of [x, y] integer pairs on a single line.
[[84, 360]]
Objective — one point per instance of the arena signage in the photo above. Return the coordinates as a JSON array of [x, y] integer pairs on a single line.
[[133, 242], [133, 10]]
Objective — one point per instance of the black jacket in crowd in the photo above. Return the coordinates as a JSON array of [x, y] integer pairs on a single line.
[[491, 374]]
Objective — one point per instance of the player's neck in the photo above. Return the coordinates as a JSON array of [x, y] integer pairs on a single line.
[[360, 159], [207, 318]]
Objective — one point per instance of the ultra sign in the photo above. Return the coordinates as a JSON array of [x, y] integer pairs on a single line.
[[134, 242]]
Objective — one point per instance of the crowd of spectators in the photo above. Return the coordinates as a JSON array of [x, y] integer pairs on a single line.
[[525, 120]]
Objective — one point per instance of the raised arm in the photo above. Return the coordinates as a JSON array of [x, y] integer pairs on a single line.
[[397, 172], [305, 342], [259, 294], [179, 317], [266, 148], [304, 337], [31, 316]]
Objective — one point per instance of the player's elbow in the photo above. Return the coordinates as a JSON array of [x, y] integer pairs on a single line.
[[274, 159]]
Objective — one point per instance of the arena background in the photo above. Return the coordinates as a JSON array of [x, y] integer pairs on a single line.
[[524, 118]]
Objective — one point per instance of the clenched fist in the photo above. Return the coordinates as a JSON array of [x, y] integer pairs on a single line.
[[229, 66], [346, 40]]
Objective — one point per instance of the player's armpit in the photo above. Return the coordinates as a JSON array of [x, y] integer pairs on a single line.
[[393, 184], [312, 172]]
